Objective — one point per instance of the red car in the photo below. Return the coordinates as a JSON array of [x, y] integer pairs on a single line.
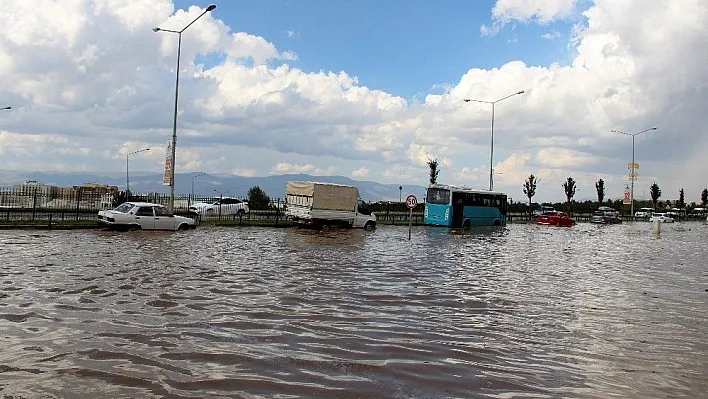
[[555, 218]]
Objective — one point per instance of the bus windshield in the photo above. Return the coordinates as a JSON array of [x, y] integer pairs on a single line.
[[438, 196]]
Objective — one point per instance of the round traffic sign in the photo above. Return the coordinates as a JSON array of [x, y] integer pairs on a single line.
[[411, 201]]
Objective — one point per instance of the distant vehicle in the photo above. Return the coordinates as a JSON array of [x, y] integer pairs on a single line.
[[675, 213], [465, 207], [555, 218], [143, 216], [661, 217], [324, 205], [543, 209], [697, 212], [605, 215], [644, 213], [221, 206]]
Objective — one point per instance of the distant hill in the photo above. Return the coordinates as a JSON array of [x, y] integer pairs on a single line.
[[212, 184]]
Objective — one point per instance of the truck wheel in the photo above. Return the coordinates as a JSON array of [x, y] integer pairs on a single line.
[[369, 226]]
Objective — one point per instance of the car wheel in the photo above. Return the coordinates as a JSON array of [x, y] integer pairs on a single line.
[[240, 212], [134, 227], [183, 227]]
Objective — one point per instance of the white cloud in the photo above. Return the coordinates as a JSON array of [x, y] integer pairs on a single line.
[[105, 87], [552, 35], [283, 167], [361, 172], [541, 11]]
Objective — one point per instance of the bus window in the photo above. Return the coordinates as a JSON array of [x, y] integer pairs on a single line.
[[438, 196]]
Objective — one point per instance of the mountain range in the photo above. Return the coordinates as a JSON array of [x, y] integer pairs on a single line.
[[212, 184]]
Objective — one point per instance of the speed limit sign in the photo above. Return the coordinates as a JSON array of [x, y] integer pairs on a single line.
[[411, 201]]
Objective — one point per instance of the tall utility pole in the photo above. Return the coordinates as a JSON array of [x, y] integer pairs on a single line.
[[632, 167], [174, 122], [491, 148]]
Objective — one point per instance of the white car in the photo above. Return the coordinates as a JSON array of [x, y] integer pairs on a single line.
[[661, 218], [220, 206], [143, 216], [644, 213]]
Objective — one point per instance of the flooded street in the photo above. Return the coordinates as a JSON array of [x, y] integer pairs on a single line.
[[527, 311]]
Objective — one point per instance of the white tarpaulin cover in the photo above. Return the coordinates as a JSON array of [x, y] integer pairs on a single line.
[[326, 196]]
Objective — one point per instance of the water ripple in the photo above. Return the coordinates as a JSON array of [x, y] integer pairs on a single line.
[[527, 311]]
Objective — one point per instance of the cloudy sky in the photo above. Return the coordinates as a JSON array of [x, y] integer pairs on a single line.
[[364, 89]]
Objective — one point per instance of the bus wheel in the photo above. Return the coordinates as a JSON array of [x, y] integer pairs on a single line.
[[497, 223], [466, 225]]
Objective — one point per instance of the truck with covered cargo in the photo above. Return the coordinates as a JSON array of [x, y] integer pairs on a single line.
[[324, 205]]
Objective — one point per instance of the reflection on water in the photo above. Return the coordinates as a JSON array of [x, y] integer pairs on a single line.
[[523, 311]]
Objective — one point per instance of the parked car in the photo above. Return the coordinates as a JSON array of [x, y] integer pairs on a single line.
[[143, 216], [220, 206], [661, 217], [605, 215], [644, 213], [555, 218]]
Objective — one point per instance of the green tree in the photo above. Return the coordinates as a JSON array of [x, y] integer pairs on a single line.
[[570, 188], [434, 171], [257, 198], [530, 189], [655, 193], [704, 197], [681, 201], [600, 187]]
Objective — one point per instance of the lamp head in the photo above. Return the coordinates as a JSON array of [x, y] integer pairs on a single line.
[[466, 100], [211, 7], [521, 92], [156, 29]]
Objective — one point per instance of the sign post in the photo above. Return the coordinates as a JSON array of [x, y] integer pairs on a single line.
[[411, 202]]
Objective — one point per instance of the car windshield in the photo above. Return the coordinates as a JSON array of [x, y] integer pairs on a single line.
[[124, 207]]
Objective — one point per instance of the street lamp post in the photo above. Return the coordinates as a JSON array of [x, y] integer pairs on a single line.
[[491, 148], [174, 122], [194, 177], [632, 176], [127, 171]]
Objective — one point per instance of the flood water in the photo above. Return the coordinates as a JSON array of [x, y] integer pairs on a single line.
[[523, 312]]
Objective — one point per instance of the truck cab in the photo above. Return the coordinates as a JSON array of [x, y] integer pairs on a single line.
[[364, 217]]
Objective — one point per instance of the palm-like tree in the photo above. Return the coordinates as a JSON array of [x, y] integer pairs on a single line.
[[570, 188], [530, 189], [655, 193], [434, 171], [600, 187]]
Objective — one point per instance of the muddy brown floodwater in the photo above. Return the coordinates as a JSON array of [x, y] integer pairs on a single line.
[[523, 312]]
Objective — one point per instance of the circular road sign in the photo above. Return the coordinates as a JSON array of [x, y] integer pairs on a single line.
[[411, 201]]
